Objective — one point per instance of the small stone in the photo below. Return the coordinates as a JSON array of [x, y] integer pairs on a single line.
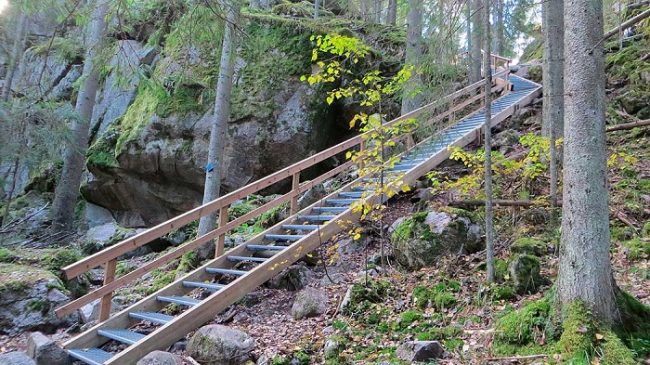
[[413, 351], [345, 303], [16, 358], [332, 279], [309, 302], [220, 345], [44, 351], [160, 358], [331, 348]]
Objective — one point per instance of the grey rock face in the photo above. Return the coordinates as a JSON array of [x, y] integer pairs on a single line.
[[309, 302], [414, 351], [28, 298], [295, 277], [160, 358], [44, 351], [121, 85], [220, 345], [16, 358], [38, 74]]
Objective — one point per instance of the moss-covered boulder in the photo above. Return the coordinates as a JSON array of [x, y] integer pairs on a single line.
[[28, 297], [525, 274], [529, 246], [422, 237]]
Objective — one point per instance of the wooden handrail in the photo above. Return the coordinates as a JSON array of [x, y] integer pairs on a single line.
[[108, 257]]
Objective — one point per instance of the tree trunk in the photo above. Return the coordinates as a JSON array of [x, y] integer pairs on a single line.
[[67, 189], [410, 99], [16, 55], [254, 4], [316, 8], [553, 78], [585, 271], [376, 11], [219, 124], [489, 210], [499, 41], [391, 14], [475, 51]]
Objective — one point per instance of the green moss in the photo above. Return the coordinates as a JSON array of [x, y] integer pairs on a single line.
[[66, 49], [362, 297], [525, 274], [614, 352], [500, 270], [529, 246], [160, 280], [7, 255], [522, 327], [440, 296], [578, 332], [19, 278], [638, 249], [407, 318], [635, 318], [240, 208], [645, 231], [138, 115], [60, 259], [503, 292], [38, 305]]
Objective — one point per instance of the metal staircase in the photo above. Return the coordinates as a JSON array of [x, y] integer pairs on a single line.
[[196, 298]]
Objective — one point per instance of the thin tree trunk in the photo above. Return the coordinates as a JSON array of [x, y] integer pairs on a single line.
[[410, 99], [16, 55], [10, 194], [499, 41], [67, 189], [489, 210], [377, 11], [553, 78], [391, 14], [219, 124], [585, 271], [468, 31], [316, 8], [475, 51]]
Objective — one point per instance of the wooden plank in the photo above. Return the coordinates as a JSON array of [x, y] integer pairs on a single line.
[[295, 185], [105, 304], [223, 220]]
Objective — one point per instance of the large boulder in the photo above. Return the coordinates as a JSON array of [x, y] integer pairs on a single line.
[[525, 274], [160, 358], [28, 297], [420, 351], [16, 358], [421, 238], [220, 345], [44, 351], [295, 277], [309, 302]]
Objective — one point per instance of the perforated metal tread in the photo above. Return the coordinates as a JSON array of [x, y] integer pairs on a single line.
[[125, 336], [153, 317], [186, 301], [91, 356]]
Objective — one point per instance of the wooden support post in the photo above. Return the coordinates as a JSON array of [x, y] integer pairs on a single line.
[[295, 185], [223, 220], [105, 304]]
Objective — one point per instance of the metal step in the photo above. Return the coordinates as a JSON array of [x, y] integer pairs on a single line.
[[341, 201], [330, 209], [186, 301], [246, 259], [352, 194], [125, 336], [91, 356], [283, 237], [153, 317], [202, 285], [216, 270], [316, 218], [300, 227], [265, 248]]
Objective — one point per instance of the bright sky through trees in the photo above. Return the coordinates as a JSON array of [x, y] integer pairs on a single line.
[[3, 5]]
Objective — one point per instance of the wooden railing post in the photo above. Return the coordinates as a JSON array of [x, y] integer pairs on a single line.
[[105, 304], [223, 220], [295, 186]]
